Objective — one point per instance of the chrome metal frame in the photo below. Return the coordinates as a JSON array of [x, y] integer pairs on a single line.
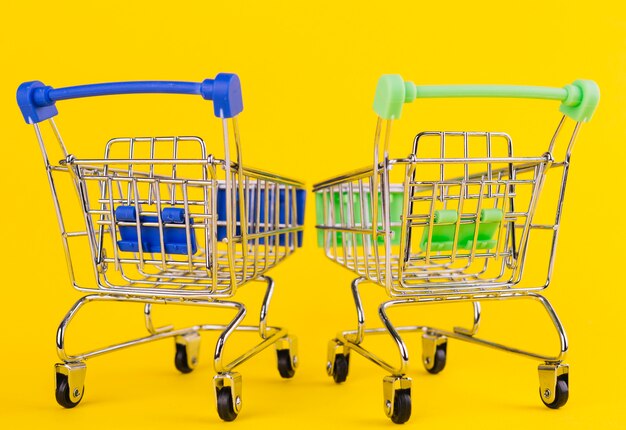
[[255, 239], [353, 339], [252, 244], [269, 334], [362, 233]]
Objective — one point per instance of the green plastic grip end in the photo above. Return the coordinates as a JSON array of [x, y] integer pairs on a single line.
[[578, 100], [391, 94], [582, 100]]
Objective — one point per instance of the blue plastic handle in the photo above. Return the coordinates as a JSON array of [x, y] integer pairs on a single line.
[[37, 101]]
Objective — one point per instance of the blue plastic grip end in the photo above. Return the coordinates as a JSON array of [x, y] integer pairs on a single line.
[[225, 93], [35, 111], [37, 101]]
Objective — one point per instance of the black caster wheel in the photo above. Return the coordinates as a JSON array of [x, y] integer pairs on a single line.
[[401, 406], [561, 394], [63, 395], [285, 363], [180, 359], [225, 407], [439, 359], [341, 367]]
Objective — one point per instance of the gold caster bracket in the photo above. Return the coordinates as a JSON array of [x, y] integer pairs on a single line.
[[228, 395], [287, 356], [554, 384], [434, 350], [187, 351], [338, 360], [69, 383], [397, 398]]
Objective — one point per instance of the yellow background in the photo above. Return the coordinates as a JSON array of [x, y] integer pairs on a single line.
[[308, 74]]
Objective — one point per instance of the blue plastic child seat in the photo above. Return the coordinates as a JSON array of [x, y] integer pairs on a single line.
[[283, 213], [174, 238]]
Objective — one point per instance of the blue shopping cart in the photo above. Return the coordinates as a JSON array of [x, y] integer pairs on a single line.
[[168, 223]]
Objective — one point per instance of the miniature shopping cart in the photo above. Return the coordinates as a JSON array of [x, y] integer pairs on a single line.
[[455, 228], [165, 222]]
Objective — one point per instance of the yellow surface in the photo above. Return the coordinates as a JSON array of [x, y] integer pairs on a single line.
[[308, 76]]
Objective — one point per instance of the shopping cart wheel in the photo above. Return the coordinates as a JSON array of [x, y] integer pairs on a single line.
[[401, 406], [397, 397], [225, 406], [228, 395], [434, 351], [554, 384], [187, 349], [338, 361], [285, 364], [70, 385], [561, 395], [287, 356], [341, 367], [64, 394], [439, 361]]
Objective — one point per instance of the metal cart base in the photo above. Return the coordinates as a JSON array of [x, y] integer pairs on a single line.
[[553, 372], [70, 373]]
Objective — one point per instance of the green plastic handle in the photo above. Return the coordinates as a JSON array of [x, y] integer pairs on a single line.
[[578, 100]]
